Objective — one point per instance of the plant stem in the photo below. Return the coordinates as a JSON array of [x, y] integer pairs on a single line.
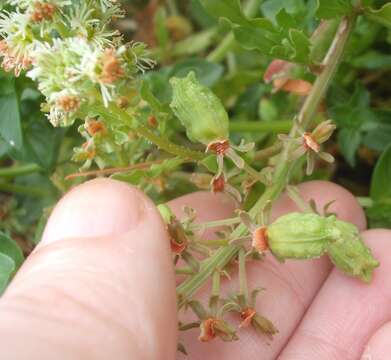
[[114, 113], [365, 202], [172, 7], [282, 126], [216, 223], [250, 10], [243, 289], [19, 170], [268, 152], [168, 146], [23, 190], [224, 255]]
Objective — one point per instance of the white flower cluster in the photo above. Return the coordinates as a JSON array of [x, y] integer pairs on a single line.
[[77, 61]]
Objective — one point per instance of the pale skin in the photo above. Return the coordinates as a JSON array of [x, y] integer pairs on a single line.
[[101, 285]]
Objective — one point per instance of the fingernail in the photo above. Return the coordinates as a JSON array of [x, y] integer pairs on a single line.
[[100, 207]]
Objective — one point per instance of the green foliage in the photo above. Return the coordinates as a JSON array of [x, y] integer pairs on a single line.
[[381, 185], [10, 122], [282, 40], [328, 9], [381, 16], [11, 258]]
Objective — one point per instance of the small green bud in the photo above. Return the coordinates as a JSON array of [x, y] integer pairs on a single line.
[[349, 253], [199, 110], [300, 235]]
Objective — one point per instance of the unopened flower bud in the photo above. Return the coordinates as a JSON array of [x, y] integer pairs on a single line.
[[199, 110], [350, 254], [300, 235]]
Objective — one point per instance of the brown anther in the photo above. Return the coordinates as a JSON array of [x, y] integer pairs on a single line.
[[259, 241], [218, 184], [218, 147], [111, 67], [247, 316], [208, 331], [68, 103], [95, 127], [152, 121], [42, 11], [309, 143]]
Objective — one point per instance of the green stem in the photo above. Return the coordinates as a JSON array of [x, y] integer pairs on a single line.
[[243, 289], [114, 113], [250, 10], [282, 126], [365, 202], [168, 146], [213, 224], [23, 190], [172, 7], [224, 255], [19, 170]]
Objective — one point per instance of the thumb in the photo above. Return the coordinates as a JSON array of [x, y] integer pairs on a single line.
[[100, 285]]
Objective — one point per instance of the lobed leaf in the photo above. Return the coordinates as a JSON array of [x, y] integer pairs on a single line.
[[328, 9]]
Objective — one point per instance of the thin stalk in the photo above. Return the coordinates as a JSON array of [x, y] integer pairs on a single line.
[[365, 202], [172, 7], [23, 190], [114, 113], [266, 153], [212, 224], [18, 170], [243, 288], [168, 146], [282, 126], [224, 255], [217, 55]]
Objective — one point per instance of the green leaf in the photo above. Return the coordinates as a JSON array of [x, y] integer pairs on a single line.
[[207, 73], [7, 268], [10, 126], [10, 248], [229, 9], [381, 16], [271, 8], [380, 214], [372, 60], [352, 111], [381, 184], [150, 98], [328, 9], [349, 140]]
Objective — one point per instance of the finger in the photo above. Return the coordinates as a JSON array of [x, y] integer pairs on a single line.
[[379, 346], [96, 285], [346, 311], [290, 287]]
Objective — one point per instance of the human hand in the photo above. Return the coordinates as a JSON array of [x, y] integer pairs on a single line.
[[101, 285]]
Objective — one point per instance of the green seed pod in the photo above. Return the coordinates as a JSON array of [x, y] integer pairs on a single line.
[[350, 254], [300, 235], [199, 110]]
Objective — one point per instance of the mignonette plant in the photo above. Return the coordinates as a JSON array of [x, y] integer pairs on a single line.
[[244, 98]]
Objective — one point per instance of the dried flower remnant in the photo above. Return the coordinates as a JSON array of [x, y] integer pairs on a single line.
[[309, 144], [68, 103], [279, 72], [42, 11], [111, 67], [95, 127], [212, 328]]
